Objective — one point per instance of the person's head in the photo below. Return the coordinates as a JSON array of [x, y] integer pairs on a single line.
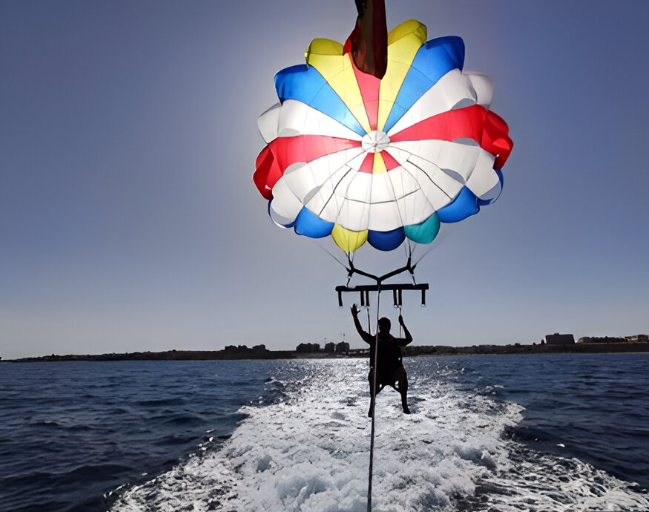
[[384, 325]]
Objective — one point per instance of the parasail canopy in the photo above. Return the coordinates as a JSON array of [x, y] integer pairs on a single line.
[[375, 160]]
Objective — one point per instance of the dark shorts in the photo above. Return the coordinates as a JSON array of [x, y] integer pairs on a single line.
[[387, 376]]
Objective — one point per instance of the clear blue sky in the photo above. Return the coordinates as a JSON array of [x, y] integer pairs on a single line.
[[129, 221]]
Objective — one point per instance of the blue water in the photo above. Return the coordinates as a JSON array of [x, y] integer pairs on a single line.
[[79, 436], [595, 405], [72, 432]]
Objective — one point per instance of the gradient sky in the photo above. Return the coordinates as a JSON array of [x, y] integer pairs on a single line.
[[129, 221]]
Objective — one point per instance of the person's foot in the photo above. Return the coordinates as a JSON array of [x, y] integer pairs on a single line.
[[406, 410], [369, 413]]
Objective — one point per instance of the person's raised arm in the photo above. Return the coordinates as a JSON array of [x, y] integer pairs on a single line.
[[408, 339], [366, 337]]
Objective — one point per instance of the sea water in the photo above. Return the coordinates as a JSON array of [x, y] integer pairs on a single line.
[[564, 432]]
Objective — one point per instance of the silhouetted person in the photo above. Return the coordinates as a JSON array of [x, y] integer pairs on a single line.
[[390, 370]]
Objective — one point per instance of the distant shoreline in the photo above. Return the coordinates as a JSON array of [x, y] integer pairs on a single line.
[[411, 351]]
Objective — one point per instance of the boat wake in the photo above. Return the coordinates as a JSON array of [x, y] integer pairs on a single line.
[[305, 447]]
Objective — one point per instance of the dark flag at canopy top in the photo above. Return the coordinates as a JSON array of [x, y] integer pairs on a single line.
[[369, 39]]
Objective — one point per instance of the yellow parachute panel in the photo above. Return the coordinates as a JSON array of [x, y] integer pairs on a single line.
[[348, 240], [327, 57], [403, 44], [379, 164]]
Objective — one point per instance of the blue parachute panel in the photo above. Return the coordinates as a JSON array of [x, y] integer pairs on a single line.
[[464, 205], [433, 60], [386, 240], [309, 224], [304, 83]]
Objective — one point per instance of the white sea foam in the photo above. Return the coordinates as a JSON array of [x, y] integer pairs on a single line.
[[309, 452]]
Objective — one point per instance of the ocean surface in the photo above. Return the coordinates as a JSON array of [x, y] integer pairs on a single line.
[[538, 433]]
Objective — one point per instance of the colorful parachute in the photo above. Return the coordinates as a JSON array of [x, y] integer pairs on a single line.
[[363, 159]]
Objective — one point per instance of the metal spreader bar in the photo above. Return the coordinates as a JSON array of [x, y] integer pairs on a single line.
[[397, 289]]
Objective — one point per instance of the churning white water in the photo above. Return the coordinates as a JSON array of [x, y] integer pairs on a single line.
[[308, 450]]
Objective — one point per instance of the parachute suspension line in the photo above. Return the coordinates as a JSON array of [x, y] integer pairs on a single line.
[[373, 397], [408, 267], [407, 250], [350, 261], [330, 254], [412, 248], [407, 247], [410, 253], [424, 255]]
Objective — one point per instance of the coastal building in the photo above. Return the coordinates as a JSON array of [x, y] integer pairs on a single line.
[[343, 346], [602, 339], [308, 347], [638, 338], [559, 339], [330, 347]]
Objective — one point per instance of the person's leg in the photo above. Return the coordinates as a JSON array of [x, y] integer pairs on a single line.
[[403, 389], [379, 387]]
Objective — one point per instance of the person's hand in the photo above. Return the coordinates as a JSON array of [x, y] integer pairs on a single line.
[[400, 319], [355, 310]]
